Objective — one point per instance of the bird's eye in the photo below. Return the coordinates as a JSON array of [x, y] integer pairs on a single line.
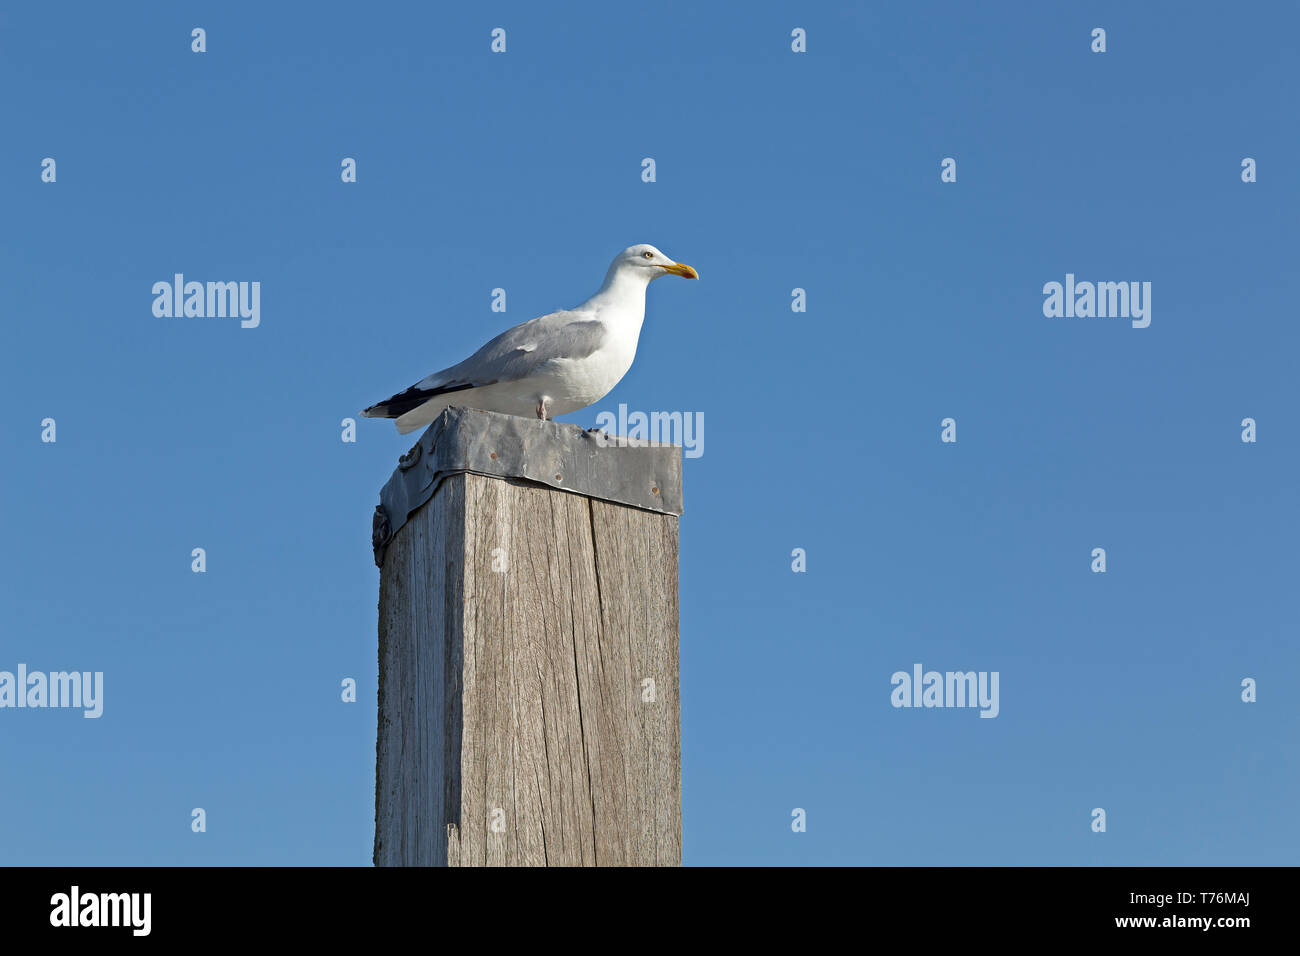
[[648, 255]]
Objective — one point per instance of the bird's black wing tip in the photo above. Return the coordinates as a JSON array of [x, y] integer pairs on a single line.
[[411, 399]]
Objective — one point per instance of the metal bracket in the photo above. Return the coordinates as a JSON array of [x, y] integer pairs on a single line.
[[565, 457]]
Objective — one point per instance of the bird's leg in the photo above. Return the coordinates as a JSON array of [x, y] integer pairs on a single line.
[[542, 411]]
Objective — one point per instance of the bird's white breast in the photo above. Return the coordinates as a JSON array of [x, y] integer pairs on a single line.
[[577, 383]]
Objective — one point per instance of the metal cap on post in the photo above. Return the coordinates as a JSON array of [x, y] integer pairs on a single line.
[[528, 648]]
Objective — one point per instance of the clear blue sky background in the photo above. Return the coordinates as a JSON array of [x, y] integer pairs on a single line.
[[775, 171]]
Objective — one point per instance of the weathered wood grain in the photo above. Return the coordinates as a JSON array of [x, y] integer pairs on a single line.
[[518, 624]]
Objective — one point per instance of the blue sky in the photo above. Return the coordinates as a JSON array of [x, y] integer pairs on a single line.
[[775, 170]]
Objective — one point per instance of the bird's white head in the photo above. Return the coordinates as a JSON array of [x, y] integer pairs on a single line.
[[646, 262]]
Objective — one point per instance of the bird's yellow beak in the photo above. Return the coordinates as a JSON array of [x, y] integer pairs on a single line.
[[681, 269]]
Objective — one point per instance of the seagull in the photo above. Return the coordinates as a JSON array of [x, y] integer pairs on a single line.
[[551, 365]]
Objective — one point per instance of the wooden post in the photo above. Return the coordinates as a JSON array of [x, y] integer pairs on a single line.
[[528, 648]]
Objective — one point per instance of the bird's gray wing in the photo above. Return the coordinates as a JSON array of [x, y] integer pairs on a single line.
[[514, 354], [518, 352]]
